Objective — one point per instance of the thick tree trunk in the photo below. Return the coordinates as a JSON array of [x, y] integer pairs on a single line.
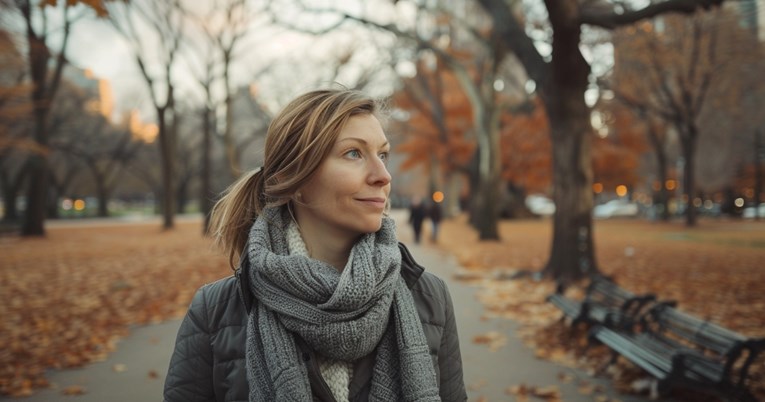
[[11, 213], [572, 255], [688, 145], [11, 189], [37, 186], [103, 202]]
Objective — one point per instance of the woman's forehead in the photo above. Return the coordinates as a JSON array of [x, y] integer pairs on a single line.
[[364, 129]]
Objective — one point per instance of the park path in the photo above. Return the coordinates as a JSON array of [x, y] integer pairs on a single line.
[[135, 371]]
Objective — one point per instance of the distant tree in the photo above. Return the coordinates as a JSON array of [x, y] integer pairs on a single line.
[[104, 150], [156, 59], [617, 147], [680, 69], [437, 133], [15, 112], [45, 66], [226, 25], [562, 79]]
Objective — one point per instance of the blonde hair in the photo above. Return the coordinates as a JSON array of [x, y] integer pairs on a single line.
[[297, 141]]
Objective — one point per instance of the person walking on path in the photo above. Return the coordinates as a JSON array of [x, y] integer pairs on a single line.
[[417, 214], [435, 214], [325, 303]]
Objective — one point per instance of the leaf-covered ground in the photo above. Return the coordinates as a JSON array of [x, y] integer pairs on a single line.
[[68, 298], [715, 271]]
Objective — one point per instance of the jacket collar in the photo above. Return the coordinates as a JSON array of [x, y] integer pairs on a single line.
[[411, 271]]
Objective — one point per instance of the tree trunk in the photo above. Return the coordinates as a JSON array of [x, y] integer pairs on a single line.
[[758, 149], [52, 200], [166, 149], [688, 144], [11, 190], [11, 213], [103, 202], [572, 254], [661, 161], [34, 217], [452, 199], [205, 195], [37, 186], [663, 192], [182, 195]]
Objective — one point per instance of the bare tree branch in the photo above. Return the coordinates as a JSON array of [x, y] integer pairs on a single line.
[[610, 19]]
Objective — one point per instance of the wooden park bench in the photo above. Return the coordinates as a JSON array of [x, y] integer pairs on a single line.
[[681, 350], [604, 303]]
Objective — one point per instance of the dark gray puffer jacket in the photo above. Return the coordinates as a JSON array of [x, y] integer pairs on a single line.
[[208, 362]]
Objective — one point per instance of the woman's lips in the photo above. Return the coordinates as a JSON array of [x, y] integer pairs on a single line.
[[373, 201]]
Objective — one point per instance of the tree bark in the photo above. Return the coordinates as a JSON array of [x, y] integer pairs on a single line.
[[34, 216], [44, 91], [572, 254], [661, 162], [166, 149], [758, 150], [205, 195], [11, 188], [688, 140]]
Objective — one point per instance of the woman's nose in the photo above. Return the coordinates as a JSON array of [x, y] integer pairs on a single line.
[[379, 173]]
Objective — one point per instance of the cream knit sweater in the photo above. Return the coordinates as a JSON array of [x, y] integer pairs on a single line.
[[337, 374]]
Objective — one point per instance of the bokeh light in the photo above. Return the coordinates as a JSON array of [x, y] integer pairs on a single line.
[[621, 190], [79, 205]]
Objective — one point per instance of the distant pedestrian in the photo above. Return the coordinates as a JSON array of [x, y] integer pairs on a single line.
[[435, 214], [417, 214], [325, 303]]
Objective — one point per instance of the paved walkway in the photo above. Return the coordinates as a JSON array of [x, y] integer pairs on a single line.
[[128, 374]]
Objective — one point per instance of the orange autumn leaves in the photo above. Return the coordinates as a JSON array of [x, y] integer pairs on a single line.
[[439, 130], [69, 297]]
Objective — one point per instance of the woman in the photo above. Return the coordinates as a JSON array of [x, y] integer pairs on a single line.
[[325, 303]]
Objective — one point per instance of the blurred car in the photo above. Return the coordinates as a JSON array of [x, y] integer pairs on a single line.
[[540, 205], [751, 212], [615, 208]]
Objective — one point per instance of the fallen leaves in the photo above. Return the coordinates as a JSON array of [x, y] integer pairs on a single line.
[[522, 392], [69, 297], [493, 339], [73, 390], [714, 271]]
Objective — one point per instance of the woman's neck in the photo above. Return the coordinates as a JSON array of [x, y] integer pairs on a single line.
[[326, 245]]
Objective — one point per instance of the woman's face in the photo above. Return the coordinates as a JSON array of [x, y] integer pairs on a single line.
[[347, 194]]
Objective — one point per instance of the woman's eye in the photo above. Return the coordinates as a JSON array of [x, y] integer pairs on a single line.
[[384, 157], [353, 154]]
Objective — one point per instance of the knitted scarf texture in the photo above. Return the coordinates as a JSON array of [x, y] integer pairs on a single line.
[[345, 316]]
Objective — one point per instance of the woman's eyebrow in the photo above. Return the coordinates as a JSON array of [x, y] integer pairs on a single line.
[[361, 140]]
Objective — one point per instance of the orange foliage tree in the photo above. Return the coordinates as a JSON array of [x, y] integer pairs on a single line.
[[526, 149], [617, 148], [438, 131]]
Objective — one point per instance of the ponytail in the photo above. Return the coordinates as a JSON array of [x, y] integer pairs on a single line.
[[233, 214]]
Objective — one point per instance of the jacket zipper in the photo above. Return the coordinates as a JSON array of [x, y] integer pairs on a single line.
[[313, 367]]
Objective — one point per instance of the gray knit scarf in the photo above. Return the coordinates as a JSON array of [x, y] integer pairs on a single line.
[[344, 316]]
